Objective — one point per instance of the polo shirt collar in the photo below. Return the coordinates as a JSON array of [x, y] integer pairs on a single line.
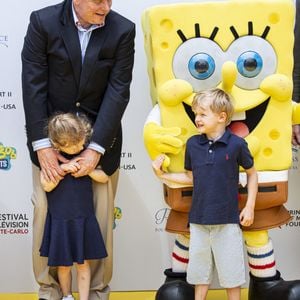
[[223, 139]]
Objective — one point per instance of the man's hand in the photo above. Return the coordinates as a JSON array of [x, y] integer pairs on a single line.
[[49, 162], [89, 160]]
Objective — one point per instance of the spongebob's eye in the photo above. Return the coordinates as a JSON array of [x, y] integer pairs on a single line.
[[249, 64], [255, 59], [201, 66], [199, 61]]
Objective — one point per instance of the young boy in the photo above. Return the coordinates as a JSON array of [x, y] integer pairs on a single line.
[[212, 162]]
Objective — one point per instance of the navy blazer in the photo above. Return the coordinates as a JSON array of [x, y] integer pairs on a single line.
[[55, 79]]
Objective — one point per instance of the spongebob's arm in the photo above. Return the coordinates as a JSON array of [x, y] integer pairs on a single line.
[[159, 139], [296, 113]]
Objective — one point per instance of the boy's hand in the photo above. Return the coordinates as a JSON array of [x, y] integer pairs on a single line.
[[247, 216], [157, 165]]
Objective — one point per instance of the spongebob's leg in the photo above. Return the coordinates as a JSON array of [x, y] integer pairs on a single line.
[[265, 280], [180, 258], [180, 255], [175, 286], [260, 253]]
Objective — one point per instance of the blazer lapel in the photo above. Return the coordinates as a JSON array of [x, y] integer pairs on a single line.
[[96, 41], [71, 40]]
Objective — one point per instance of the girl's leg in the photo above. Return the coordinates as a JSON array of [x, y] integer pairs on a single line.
[[234, 293], [65, 279], [201, 291], [84, 280]]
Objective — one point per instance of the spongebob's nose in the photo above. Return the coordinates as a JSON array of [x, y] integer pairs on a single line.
[[229, 74]]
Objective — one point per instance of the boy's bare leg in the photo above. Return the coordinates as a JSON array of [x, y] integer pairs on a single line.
[[201, 291], [234, 293]]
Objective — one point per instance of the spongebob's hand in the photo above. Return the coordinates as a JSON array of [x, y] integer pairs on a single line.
[[278, 86], [160, 140], [296, 113], [176, 91]]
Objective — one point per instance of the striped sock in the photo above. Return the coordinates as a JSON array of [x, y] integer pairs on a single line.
[[261, 260], [180, 255]]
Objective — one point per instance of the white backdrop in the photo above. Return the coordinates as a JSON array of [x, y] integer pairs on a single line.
[[141, 246]]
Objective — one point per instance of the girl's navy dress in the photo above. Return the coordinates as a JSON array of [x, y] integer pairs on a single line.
[[72, 233]]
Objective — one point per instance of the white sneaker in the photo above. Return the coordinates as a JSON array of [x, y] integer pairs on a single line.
[[69, 297]]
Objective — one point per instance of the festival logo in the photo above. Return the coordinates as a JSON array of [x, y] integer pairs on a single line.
[[160, 218], [7, 153], [117, 216], [14, 223]]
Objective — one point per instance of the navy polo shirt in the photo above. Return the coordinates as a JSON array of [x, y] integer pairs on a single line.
[[215, 167]]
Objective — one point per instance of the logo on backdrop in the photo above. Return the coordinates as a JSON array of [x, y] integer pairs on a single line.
[[14, 223], [3, 40], [295, 222], [7, 153], [6, 96], [160, 218], [126, 162], [117, 215]]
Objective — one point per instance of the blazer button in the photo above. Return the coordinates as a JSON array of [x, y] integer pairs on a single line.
[[77, 104]]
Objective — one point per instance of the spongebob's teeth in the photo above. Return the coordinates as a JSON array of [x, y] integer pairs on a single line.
[[239, 116]]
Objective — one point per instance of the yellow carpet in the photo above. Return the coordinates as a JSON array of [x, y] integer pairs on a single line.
[[148, 295]]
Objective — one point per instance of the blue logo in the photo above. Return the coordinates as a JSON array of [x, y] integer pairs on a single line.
[[6, 155], [117, 215]]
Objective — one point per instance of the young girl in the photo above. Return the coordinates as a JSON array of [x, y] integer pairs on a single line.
[[72, 233]]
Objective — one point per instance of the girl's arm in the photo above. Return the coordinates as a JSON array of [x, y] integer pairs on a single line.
[[48, 186], [73, 166], [247, 214], [68, 167], [181, 178], [99, 176]]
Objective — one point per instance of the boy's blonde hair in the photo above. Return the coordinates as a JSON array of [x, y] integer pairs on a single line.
[[68, 129], [219, 100]]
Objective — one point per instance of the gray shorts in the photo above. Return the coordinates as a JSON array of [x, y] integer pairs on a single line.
[[220, 246]]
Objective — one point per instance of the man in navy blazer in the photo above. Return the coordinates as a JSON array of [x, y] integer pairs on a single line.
[[77, 57]]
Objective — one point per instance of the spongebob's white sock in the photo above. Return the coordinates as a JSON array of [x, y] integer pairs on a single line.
[[180, 255]]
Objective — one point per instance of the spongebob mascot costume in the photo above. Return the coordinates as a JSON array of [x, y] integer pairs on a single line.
[[244, 47]]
